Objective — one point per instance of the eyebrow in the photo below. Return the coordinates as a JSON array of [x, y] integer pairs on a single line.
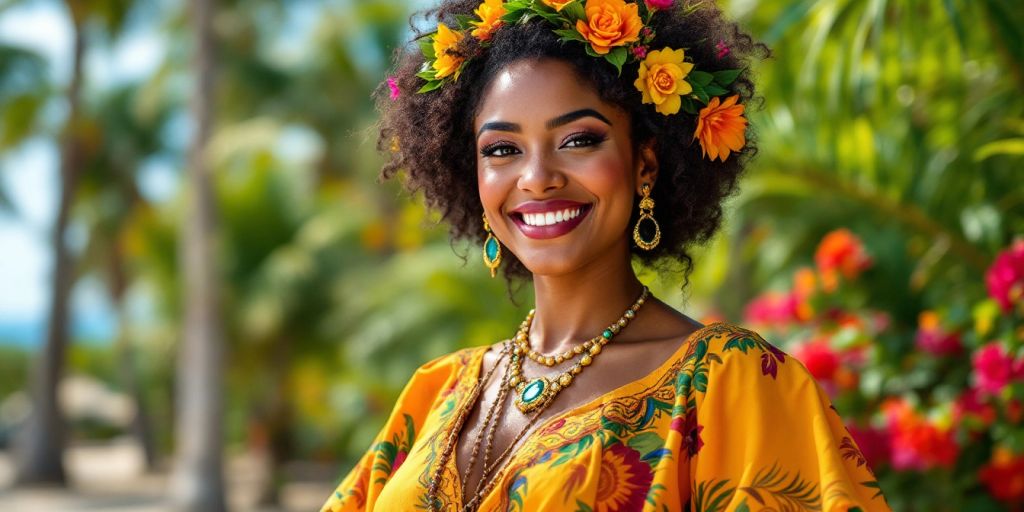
[[554, 123]]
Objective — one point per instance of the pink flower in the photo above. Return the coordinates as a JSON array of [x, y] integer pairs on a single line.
[[931, 338], [722, 48], [1005, 278], [873, 443], [994, 368], [970, 407], [640, 52], [393, 85], [659, 4], [773, 309]]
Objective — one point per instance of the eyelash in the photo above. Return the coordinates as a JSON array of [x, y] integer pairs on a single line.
[[592, 139]]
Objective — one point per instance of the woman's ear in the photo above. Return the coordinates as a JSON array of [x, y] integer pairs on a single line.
[[647, 165]]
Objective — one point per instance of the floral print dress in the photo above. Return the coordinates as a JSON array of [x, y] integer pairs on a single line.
[[728, 423]]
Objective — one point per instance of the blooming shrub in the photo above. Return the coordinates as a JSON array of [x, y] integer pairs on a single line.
[[936, 406]]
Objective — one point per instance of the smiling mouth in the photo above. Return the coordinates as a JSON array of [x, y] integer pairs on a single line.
[[551, 218], [552, 223]]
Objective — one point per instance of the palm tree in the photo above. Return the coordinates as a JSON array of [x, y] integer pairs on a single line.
[[43, 439], [198, 480]]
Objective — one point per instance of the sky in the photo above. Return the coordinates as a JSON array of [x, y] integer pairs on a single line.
[[29, 175]]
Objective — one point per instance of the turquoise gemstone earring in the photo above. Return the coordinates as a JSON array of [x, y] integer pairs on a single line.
[[492, 249]]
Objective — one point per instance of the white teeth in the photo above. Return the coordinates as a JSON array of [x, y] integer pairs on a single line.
[[549, 218]]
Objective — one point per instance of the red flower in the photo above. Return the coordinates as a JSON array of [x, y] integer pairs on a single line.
[[1005, 278], [688, 427], [1004, 477], [819, 358], [917, 443]]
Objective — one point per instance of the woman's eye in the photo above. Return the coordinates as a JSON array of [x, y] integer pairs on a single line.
[[583, 140], [498, 150]]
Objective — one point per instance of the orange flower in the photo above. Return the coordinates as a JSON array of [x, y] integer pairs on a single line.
[[840, 252], [609, 23], [661, 79], [557, 5], [489, 13], [721, 127], [446, 61]]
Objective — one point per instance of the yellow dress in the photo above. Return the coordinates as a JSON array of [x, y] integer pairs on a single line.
[[728, 423]]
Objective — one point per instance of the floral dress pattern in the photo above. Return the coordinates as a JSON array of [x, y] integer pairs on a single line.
[[728, 423]]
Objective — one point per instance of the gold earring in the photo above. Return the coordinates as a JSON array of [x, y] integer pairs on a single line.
[[646, 213], [492, 249]]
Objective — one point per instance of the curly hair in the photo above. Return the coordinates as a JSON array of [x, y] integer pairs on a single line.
[[429, 136]]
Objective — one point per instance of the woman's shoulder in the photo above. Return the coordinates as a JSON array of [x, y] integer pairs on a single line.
[[723, 344]]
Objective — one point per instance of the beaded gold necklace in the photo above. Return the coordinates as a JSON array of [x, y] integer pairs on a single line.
[[531, 401], [537, 392]]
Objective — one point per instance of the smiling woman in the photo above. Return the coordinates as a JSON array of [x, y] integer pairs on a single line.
[[570, 138]]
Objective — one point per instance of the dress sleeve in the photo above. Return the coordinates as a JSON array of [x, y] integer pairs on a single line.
[[360, 489], [768, 437]]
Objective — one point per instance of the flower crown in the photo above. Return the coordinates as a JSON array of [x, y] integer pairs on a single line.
[[617, 31]]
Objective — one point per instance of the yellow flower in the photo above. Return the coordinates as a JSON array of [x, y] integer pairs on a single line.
[[661, 79], [447, 61], [557, 5], [721, 127], [489, 13], [610, 23]]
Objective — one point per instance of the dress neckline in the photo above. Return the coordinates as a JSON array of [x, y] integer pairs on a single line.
[[475, 367]]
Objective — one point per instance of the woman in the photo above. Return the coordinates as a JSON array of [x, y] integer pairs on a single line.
[[570, 138]]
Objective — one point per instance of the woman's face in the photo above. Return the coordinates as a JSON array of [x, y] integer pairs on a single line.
[[556, 168]]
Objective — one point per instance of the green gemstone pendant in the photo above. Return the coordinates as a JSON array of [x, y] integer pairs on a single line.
[[533, 394], [492, 253]]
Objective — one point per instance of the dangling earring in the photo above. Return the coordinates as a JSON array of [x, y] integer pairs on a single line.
[[492, 249], [646, 213]]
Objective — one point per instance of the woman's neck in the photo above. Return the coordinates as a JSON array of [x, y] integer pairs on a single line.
[[575, 307]]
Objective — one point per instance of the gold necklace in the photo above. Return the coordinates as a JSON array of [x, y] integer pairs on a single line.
[[537, 392], [512, 371]]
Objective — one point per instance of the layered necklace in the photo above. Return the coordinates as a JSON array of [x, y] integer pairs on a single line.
[[532, 396]]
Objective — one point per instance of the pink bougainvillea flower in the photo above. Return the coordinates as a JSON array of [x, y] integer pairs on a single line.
[[873, 443], [721, 49], [994, 368], [971, 407], [393, 86], [933, 339], [659, 4], [1005, 278]]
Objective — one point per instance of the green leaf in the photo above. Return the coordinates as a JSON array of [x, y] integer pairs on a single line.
[[465, 21], [571, 35], [646, 442], [428, 75], [617, 57], [726, 76], [715, 90], [430, 86], [427, 47], [591, 52], [699, 92], [1014, 147], [700, 77], [574, 11]]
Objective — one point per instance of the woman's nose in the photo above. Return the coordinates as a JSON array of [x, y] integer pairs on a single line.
[[540, 174]]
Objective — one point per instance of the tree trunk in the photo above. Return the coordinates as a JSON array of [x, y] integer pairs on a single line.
[[198, 480], [41, 447], [141, 426]]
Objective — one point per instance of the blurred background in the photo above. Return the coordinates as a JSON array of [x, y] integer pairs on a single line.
[[207, 301]]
